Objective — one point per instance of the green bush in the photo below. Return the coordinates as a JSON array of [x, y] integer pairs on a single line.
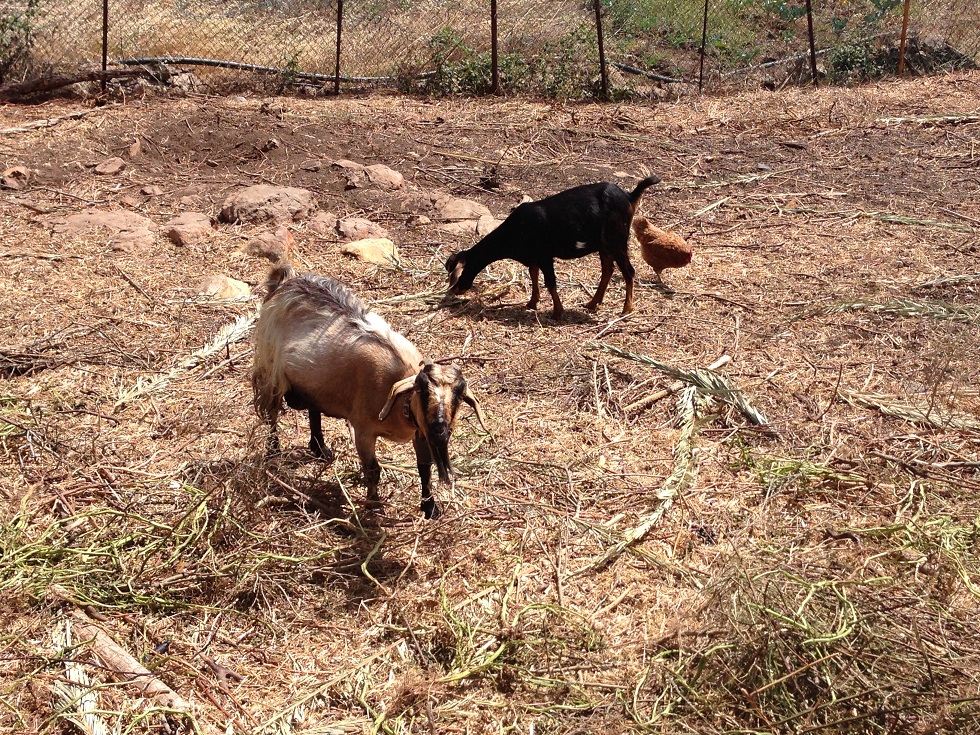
[[16, 37]]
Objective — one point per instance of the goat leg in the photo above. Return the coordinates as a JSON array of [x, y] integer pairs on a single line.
[[551, 283], [423, 457], [317, 444], [535, 290], [369, 463], [629, 276], [600, 292]]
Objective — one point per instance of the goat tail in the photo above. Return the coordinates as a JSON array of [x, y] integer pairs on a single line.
[[277, 276], [642, 187]]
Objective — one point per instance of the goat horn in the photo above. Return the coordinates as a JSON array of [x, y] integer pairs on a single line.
[[400, 387], [470, 399]]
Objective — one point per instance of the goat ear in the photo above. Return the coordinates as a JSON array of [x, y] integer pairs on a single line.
[[456, 272], [471, 400], [397, 389]]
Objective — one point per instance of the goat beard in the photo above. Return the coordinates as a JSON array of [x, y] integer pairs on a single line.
[[440, 456]]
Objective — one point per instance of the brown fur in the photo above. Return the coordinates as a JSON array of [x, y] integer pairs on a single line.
[[320, 349]]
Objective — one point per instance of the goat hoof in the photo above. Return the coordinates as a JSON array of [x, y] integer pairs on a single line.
[[591, 306], [429, 509], [531, 306], [321, 450], [272, 446]]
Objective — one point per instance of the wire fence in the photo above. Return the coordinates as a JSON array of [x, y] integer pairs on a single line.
[[548, 47]]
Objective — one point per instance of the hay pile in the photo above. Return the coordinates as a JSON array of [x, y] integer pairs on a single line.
[[785, 544]]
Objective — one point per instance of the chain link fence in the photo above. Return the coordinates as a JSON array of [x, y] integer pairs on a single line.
[[547, 47]]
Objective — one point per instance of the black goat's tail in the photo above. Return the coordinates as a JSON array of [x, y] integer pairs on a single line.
[[642, 187], [277, 276]]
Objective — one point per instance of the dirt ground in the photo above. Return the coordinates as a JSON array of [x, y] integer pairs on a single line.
[[604, 563]]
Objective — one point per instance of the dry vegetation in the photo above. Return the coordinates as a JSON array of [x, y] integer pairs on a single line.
[[606, 562]]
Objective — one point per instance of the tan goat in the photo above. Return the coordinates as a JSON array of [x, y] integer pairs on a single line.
[[319, 347]]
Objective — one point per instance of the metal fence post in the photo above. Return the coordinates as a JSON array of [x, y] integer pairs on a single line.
[[494, 69], [105, 41], [603, 72], [813, 48], [704, 39], [340, 26]]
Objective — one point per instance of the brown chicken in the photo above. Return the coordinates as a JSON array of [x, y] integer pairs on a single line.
[[660, 249]]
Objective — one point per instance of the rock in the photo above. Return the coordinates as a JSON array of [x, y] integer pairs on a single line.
[[264, 203], [189, 228], [462, 227], [486, 224], [347, 165], [127, 229], [273, 246], [374, 250], [311, 165], [323, 223], [223, 287], [111, 166], [151, 191], [450, 208], [135, 149], [479, 227], [15, 177], [384, 177], [129, 200], [419, 220], [358, 228]]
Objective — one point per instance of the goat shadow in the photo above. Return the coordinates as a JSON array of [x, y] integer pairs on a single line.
[[293, 480], [516, 314]]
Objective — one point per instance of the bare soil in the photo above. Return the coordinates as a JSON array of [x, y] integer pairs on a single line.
[[835, 235]]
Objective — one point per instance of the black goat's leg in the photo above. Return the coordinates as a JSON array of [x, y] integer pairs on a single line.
[[629, 277], [600, 292], [535, 290], [551, 283], [423, 458]]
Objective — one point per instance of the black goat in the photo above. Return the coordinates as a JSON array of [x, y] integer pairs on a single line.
[[575, 222]]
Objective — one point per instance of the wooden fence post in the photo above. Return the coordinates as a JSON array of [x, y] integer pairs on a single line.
[[603, 72], [340, 26], [905, 34], [813, 47], [105, 40]]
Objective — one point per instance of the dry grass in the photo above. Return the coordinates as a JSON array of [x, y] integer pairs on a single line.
[[672, 568]]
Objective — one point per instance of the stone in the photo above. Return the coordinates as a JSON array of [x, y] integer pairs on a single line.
[[223, 287], [188, 228], [358, 228], [126, 229], [323, 223], [379, 250], [15, 177], [383, 177], [451, 208], [151, 190], [275, 247], [487, 224], [265, 203], [110, 166], [347, 165], [135, 149]]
